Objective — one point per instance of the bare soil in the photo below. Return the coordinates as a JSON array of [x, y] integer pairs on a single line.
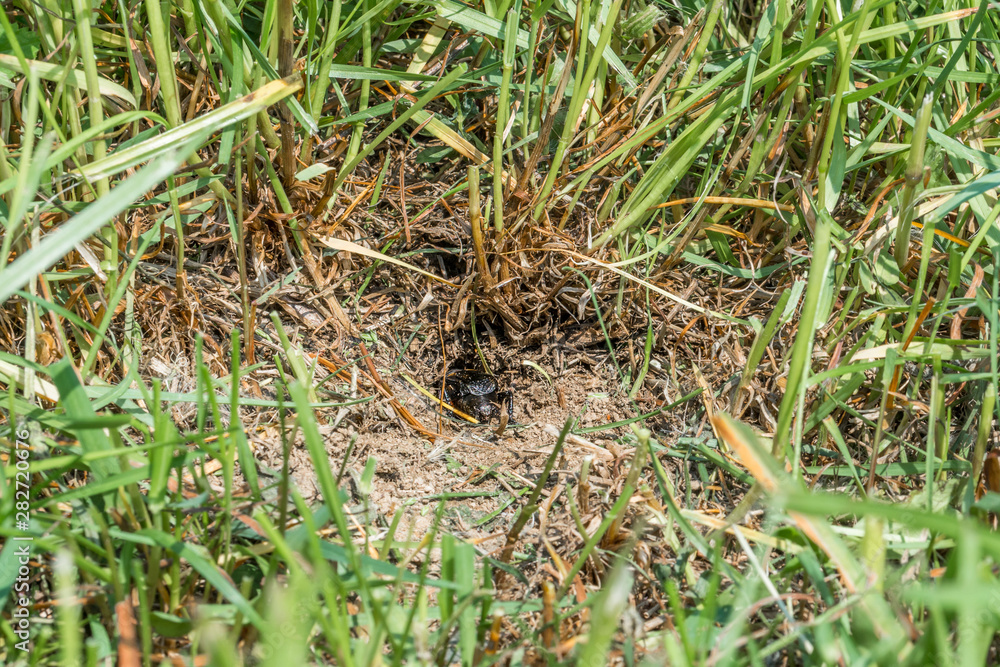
[[415, 473]]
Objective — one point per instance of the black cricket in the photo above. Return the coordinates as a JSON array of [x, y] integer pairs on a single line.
[[478, 395]]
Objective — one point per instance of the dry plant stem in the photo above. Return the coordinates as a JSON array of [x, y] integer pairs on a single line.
[[402, 197], [632, 479], [877, 438], [476, 223], [531, 506], [345, 460], [444, 368], [668, 62], [587, 552], [495, 626], [583, 489], [503, 423], [873, 209], [925, 311], [129, 650], [542, 143], [549, 629], [575, 513]]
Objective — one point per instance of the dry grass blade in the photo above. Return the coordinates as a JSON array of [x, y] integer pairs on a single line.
[[348, 246], [659, 290], [432, 124]]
